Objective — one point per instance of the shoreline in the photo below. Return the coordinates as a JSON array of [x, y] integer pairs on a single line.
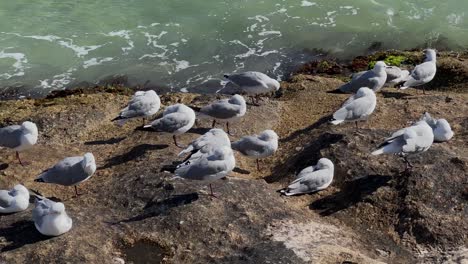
[[370, 214]]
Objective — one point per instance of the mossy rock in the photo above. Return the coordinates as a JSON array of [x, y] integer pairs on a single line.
[[392, 60]]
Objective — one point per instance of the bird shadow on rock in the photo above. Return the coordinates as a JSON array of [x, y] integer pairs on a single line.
[[4, 166], [396, 95], [20, 234], [133, 154], [105, 142], [156, 208], [302, 159], [199, 130], [299, 132], [352, 192], [240, 171]]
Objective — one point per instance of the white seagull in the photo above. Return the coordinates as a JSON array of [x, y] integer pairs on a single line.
[[395, 75], [14, 200], [441, 128], [374, 79], [214, 138], [407, 141], [217, 163], [257, 146], [424, 72], [70, 171], [143, 104], [312, 179], [19, 138], [50, 218], [253, 83], [225, 110], [358, 107], [176, 120]]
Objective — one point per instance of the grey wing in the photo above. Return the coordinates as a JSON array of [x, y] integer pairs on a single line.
[[354, 109], [5, 199], [221, 110], [140, 105], [171, 122], [64, 172], [422, 71], [200, 169], [249, 145], [246, 79], [365, 80], [41, 209], [311, 182], [393, 73], [10, 137], [357, 75]]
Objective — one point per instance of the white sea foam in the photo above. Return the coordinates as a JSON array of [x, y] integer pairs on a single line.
[[123, 34], [80, 51], [95, 61], [19, 65], [307, 3], [59, 81]]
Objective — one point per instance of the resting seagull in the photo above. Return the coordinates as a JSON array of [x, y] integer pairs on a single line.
[[441, 128], [257, 146], [215, 164], [70, 171], [50, 218], [225, 110], [143, 104], [374, 79], [177, 119], [312, 179], [395, 75], [358, 107], [408, 141], [14, 200], [19, 138], [253, 83], [424, 72]]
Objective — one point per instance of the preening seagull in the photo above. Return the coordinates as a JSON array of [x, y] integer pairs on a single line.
[[253, 83], [14, 200], [143, 104], [50, 218], [19, 137], [70, 171], [424, 72], [257, 146], [407, 141], [395, 75], [226, 110], [374, 79], [441, 128], [176, 120], [358, 107], [217, 163], [214, 138], [312, 179]]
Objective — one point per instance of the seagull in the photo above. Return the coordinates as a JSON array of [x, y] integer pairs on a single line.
[[358, 107], [311, 179], [19, 138], [424, 72], [14, 200], [214, 138], [225, 110], [70, 171], [407, 141], [177, 119], [143, 104], [253, 83], [217, 163], [395, 75], [441, 128], [374, 79], [257, 147], [50, 218]]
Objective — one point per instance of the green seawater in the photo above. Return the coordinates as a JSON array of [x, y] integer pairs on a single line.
[[188, 45]]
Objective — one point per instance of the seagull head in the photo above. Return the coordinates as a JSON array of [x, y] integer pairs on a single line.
[[29, 128], [221, 153], [430, 55], [237, 99], [58, 208], [19, 189], [274, 84], [379, 66], [268, 135], [364, 91], [89, 163], [324, 163], [219, 133]]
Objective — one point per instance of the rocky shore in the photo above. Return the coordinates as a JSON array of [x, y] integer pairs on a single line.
[[133, 211]]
